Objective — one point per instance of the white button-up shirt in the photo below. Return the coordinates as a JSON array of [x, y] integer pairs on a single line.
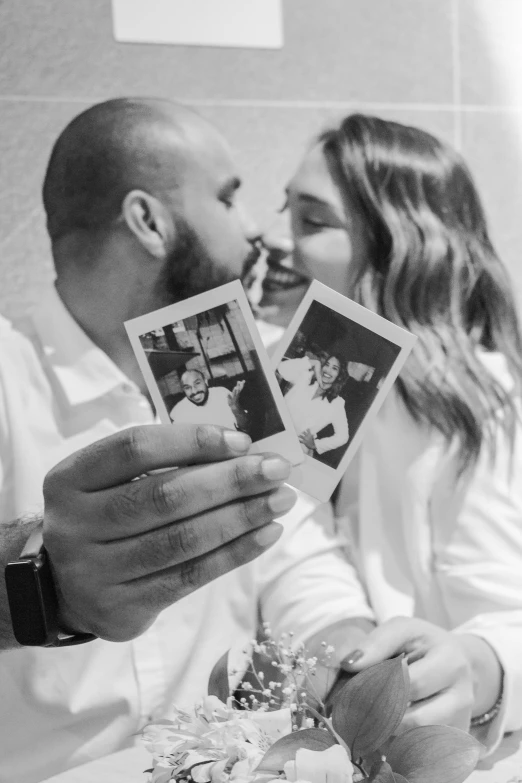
[[309, 412], [63, 707], [425, 547], [216, 410]]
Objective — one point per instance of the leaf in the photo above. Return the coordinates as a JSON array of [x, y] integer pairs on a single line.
[[342, 678], [218, 681], [285, 748], [434, 754], [383, 773], [369, 708]]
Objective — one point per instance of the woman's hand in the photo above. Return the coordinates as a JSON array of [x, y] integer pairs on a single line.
[[447, 678], [307, 439]]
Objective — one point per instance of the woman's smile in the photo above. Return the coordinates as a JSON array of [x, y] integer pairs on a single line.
[[280, 277]]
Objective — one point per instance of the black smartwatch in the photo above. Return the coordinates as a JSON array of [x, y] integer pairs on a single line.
[[32, 599]]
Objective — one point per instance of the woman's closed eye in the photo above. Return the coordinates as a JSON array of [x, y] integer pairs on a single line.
[[317, 220]]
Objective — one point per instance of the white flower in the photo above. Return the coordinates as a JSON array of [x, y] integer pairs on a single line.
[[274, 725], [326, 766]]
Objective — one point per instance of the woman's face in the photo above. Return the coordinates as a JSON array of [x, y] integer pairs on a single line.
[[329, 372], [328, 233]]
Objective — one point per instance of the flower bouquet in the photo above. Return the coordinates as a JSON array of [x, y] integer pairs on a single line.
[[279, 729]]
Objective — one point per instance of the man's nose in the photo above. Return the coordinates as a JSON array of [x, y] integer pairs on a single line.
[[250, 227]]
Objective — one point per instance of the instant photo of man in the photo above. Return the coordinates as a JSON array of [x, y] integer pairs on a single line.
[[207, 371]]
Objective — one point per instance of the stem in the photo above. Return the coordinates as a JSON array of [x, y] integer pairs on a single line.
[[360, 767]]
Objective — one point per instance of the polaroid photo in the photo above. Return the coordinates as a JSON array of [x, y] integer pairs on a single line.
[[204, 363], [335, 365]]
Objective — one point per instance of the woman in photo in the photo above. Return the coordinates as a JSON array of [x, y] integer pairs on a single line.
[[314, 401], [432, 507]]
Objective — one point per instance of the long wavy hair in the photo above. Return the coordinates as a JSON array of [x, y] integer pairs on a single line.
[[337, 386], [432, 269]]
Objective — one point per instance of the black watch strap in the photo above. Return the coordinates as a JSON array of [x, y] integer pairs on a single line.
[[32, 599]]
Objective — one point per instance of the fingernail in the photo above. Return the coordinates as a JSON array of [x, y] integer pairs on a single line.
[[237, 441], [268, 535], [275, 468], [353, 657], [282, 500]]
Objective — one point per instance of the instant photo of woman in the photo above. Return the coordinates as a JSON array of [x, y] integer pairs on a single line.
[[314, 401]]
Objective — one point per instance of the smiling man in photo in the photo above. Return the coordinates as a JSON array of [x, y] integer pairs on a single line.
[[209, 405]]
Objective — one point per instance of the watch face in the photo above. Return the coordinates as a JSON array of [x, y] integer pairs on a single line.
[[27, 588]]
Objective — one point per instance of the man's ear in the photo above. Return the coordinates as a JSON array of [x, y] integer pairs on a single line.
[[150, 222]]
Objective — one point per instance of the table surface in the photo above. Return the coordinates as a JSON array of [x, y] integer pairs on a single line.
[[127, 766]]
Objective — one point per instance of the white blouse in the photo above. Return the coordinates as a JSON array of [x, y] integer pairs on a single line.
[[447, 552], [309, 412]]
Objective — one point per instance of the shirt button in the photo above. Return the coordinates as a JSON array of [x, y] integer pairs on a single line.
[[127, 388]]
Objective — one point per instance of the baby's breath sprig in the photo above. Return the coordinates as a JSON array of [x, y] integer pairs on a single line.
[[297, 670]]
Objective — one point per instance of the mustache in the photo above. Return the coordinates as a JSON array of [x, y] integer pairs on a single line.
[[251, 259]]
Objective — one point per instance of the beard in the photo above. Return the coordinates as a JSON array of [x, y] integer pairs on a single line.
[[189, 269], [203, 401]]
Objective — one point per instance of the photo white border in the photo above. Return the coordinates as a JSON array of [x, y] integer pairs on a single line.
[[314, 477], [284, 443]]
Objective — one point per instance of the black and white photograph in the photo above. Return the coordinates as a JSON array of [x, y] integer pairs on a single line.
[[335, 366], [202, 366], [300, 222]]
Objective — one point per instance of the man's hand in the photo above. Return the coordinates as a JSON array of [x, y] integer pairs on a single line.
[[241, 415], [441, 673], [124, 543], [233, 397]]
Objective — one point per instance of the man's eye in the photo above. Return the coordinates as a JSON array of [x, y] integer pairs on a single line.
[[228, 201]]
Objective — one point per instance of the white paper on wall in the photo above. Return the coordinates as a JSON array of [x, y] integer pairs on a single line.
[[242, 23]]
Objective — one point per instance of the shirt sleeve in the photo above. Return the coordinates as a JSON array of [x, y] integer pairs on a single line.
[[340, 425], [294, 369], [306, 584], [479, 567]]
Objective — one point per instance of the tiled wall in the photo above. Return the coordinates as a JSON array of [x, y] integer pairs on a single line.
[[440, 64]]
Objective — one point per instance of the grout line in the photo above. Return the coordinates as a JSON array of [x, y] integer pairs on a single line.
[[23, 224], [454, 107], [457, 72]]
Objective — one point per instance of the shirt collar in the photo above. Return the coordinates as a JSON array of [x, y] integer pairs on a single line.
[[83, 371]]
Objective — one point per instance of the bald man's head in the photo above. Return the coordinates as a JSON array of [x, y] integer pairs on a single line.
[[109, 150], [195, 387], [145, 192]]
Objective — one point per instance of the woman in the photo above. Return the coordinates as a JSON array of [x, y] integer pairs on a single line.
[[314, 402], [389, 216]]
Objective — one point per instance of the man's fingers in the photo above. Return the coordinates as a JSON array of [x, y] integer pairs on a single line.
[[174, 583], [181, 542], [168, 497], [137, 450], [387, 640]]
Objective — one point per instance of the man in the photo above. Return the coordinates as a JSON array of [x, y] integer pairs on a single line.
[[204, 405], [142, 211]]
